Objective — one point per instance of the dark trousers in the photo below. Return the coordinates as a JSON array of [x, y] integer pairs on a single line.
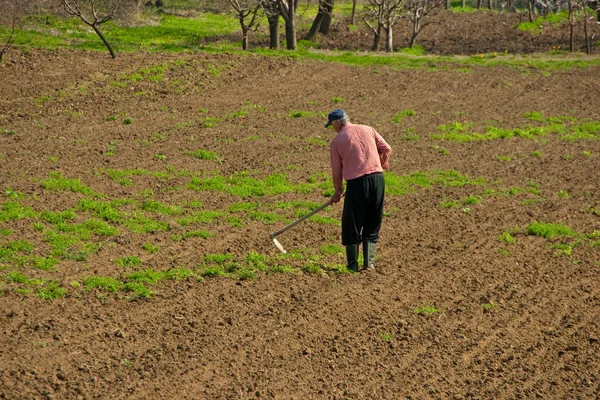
[[363, 209]]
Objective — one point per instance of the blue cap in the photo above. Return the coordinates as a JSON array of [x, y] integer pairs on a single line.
[[334, 116]]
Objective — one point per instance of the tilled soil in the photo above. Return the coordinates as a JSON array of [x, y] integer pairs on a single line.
[[515, 320]]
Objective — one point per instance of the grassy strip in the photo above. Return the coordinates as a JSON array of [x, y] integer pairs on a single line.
[[567, 127], [177, 34]]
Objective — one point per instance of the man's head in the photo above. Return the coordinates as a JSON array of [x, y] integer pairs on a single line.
[[337, 118]]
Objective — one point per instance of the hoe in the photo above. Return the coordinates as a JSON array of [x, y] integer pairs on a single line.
[[296, 222]]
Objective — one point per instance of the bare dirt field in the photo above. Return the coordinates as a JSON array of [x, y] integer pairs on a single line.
[[469, 300]]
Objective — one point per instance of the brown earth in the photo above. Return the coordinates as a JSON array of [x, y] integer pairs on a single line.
[[446, 33], [302, 335], [471, 33]]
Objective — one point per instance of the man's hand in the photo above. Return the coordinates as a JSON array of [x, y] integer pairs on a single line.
[[337, 197]]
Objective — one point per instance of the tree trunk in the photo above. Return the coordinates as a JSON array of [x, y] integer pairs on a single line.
[[316, 25], [327, 17], [376, 39], [352, 20], [273, 31], [108, 46], [245, 34], [530, 8], [571, 26], [463, 3], [479, 4], [290, 33], [389, 41], [448, 4], [490, 5], [415, 32]]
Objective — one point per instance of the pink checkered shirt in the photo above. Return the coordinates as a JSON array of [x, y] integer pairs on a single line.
[[357, 150]]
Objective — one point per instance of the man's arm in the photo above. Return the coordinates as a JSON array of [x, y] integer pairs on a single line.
[[336, 173], [384, 150]]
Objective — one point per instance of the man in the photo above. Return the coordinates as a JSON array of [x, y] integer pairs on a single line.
[[358, 156]]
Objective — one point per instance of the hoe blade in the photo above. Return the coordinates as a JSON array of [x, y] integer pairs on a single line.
[[279, 246]]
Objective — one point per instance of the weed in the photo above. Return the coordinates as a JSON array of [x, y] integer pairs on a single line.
[[338, 100], [536, 154], [8, 132], [210, 122], [386, 336], [284, 269], [46, 263], [450, 204], [398, 117], [312, 267], [331, 249], [473, 199], [5, 232], [563, 194], [103, 282], [503, 252], [245, 274], [203, 154], [127, 121], [549, 231], [52, 290], [142, 224], [111, 149], [586, 153], [147, 276], [299, 114], [159, 208], [427, 309], [150, 248], [201, 234], [128, 261], [138, 290], [505, 158], [213, 271], [11, 211], [56, 182], [507, 237], [489, 306]]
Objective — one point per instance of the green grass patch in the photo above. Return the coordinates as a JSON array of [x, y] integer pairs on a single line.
[[128, 261], [12, 211], [427, 310], [56, 182], [203, 155], [550, 231], [398, 117]]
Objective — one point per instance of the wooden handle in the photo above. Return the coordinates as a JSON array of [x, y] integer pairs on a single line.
[[296, 222]]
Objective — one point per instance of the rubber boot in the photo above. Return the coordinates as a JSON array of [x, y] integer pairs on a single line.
[[352, 257], [368, 254]]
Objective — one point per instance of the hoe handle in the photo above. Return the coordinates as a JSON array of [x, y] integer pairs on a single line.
[[296, 222]]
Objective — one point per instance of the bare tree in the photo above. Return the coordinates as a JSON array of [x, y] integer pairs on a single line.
[[375, 15], [287, 9], [248, 12], [322, 20], [96, 12], [385, 13], [418, 11], [272, 10], [11, 13]]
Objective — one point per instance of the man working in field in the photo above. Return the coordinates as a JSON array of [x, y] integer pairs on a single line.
[[358, 155]]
